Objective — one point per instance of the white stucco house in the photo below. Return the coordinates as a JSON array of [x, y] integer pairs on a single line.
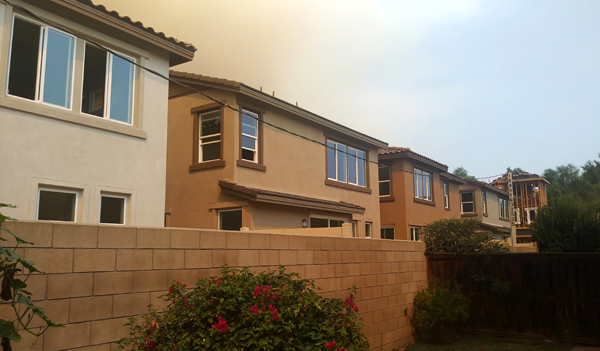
[[83, 132]]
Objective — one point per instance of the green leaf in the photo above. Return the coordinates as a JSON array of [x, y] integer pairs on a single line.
[[30, 266], [7, 330], [9, 254]]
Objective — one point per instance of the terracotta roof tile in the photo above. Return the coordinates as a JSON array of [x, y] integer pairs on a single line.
[[399, 150], [178, 74]]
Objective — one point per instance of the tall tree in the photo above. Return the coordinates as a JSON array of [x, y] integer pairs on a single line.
[[514, 170], [461, 172]]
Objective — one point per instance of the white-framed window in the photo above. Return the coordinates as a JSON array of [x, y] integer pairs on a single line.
[[108, 85], [354, 229], [346, 164], [368, 227], [318, 222], [41, 63], [113, 208], [230, 219], [517, 216], [57, 204], [467, 203], [503, 207], [388, 233], [209, 143], [249, 136], [415, 233], [531, 214], [422, 184], [446, 196], [484, 202], [385, 188]]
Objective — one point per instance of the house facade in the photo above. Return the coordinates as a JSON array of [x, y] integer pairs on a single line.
[[229, 168], [83, 131], [414, 191], [488, 204]]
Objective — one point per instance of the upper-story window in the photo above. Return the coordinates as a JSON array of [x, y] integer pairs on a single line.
[[107, 85], [484, 202], [385, 188], [467, 202], [41, 63], [446, 196], [249, 136], [422, 184], [503, 204], [209, 136], [345, 164]]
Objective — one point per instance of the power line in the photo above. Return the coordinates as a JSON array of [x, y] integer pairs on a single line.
[[224, 104]]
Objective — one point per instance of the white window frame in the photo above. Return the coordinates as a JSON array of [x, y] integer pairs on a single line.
[[503, 207], [256, 117], [388, 227], [200, 137], [528, 213], [346, 153], [517, 216], [368, 231], [484, 202], [76, 192], [389, 180], [107, 85], [41, 67], [414, 232], [125, 205], [228, 210], [423, 191], [467, 202], [446, 190]]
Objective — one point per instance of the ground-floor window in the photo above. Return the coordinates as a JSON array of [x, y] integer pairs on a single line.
[[415, 233], [112, 209], [316, 222], [230, 219], [388, 233], [57, 205], [368, 229]]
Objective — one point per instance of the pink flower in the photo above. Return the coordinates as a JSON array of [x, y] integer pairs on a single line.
[[221, 325], [171, 288], [330, 345], [218, 282], [212, 280], [255, 310], [149, 345]]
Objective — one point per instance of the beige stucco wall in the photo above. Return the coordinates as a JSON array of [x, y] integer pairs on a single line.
[[53, 146], [493, 211]]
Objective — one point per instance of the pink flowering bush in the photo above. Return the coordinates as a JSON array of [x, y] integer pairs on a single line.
[[241, 310]]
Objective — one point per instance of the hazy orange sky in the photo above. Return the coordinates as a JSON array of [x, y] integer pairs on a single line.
[[478, 84]]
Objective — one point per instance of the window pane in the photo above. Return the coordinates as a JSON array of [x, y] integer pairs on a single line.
[[335, 224], [361, 167], [467, 207], [466, 197], [384, 173], [248, 142], [319, 223], [58, 69], [341, 162], [249, 124], [416, 180], [112, 210], [387, 233], [330, 160], [384, 188], [352, 166], [210, 123], [248, 155], [56, 206], [121, 90], [211, 151], [211, 139], [94, 80], [24, 59], [230, 220], [368, 230]]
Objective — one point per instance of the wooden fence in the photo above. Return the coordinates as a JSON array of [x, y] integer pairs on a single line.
[[531, 295]]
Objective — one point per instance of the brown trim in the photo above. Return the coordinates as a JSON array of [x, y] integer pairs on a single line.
[[423, 202], [367, 167], [347, 186], [207, 165], [207, 107], [468, 214], [260, 144], [251, 165], [195, 113], [411, 155], [387, 199]]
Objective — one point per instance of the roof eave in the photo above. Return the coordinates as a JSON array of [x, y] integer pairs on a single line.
[[413, 156]]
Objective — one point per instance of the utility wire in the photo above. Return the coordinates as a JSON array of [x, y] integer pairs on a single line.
[[223, 104]]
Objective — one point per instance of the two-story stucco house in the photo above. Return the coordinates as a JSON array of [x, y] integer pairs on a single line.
[[488, 204], [83, 131], [229, 168], [414, 191]]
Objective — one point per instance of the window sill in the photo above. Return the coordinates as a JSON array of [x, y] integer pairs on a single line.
[[207, 165], [70, 116], [423, 202], [387, 199], [504, 219], [251, 165], [447, 209], [347, 186], [485, 214], [468, 214]]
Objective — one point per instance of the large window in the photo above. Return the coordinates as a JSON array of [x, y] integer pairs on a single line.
[[41, 63], [316, 222], [345, 164], [209, 143], [112, 209], [249, 136], [230, 219], [484, 202], [446, 196], [422, 184], [107, 85], [503, 205], [385, 188], [415, 233], [57, 205], [467, 203], [387, 233]]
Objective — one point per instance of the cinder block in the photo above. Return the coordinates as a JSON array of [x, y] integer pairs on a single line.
[[134, 260], [320, 257], [353, 244], [150, 281], [327, 271], [70, 285], [94, 260], [269, 257], [108, 330], [380, 256], [71, 336], [375, 268], [188, 277], [361, 256], [28, 343], [347, 282], [248, 258], [222, 257], [354, 269], [297, 269], [341, 244], [36, 285], [376, 244], [213, 240], [347, 256], [198, 258], [153, 238], [168, 259], [381, 279], [51, 260], [185, 239], [288, 257], [327, 243], [279, 242], [390, 256], [313, 272], [260, 241], [238, 240], [365, 268], [39, 233], [341, 270], [305, 257], [386, 245], [103, 347], [334, 256], [157, 301], [364, 244], [113, 283], [335, 284], [74, 235], [313, 243], [90, 308], [130, 304], [56, 310], [296, 242], [386, 267], [113, 237]]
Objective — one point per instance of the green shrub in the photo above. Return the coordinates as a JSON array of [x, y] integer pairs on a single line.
[[566, 225], [441, 303], [460, 236], [243, 311]]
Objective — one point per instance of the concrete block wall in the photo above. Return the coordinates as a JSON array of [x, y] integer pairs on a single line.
[[97, 276]]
